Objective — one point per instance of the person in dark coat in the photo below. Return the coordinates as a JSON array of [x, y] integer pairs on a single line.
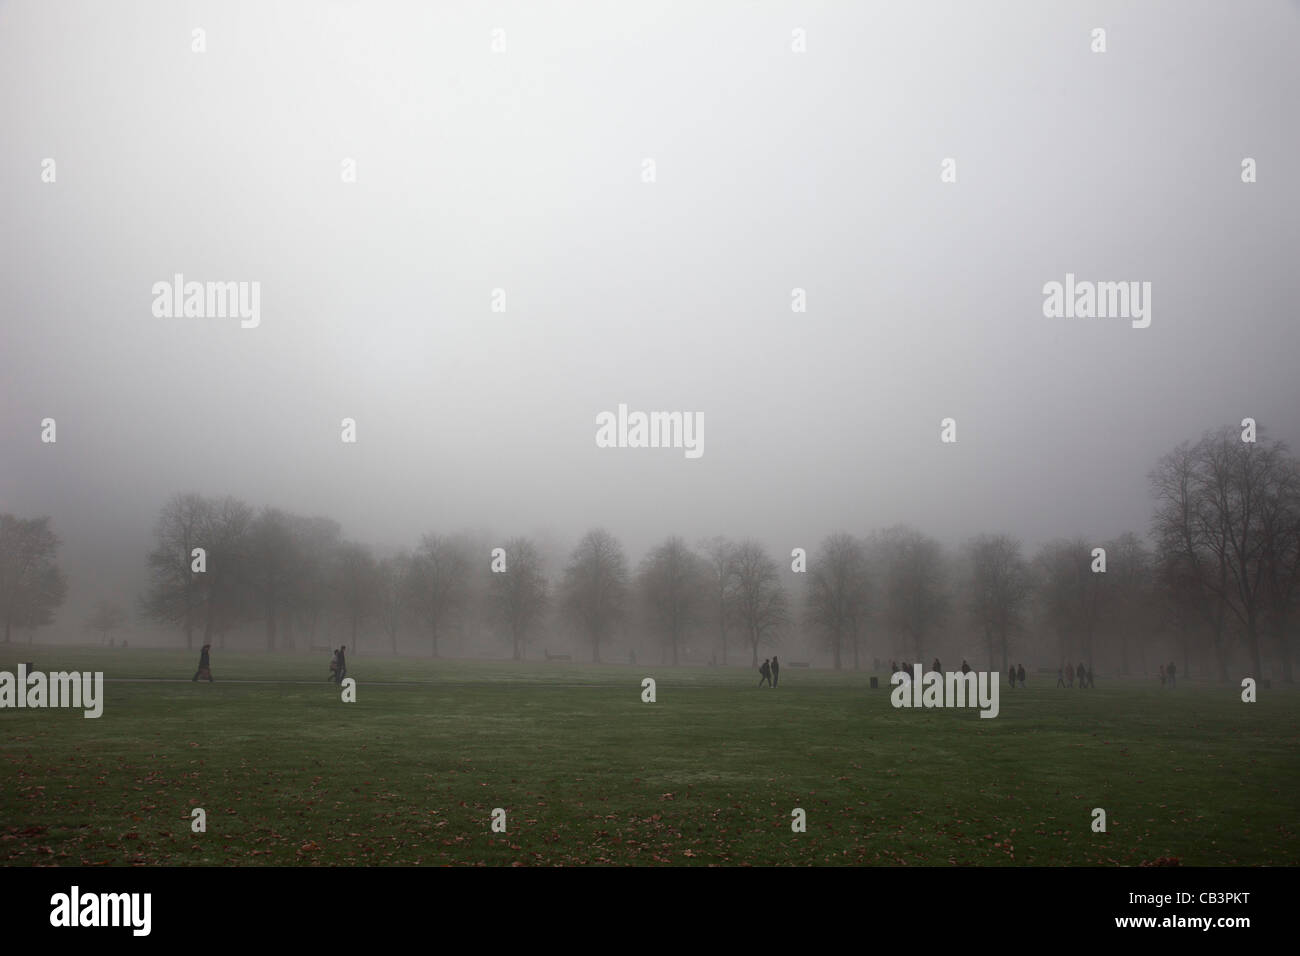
[[1083, 675], [935, 666], [205, 665], [1060, 677], [766, 671], [1069, 674], [342, 670], [1020, 675], [776, 671], [965, 668], [1173, 675]]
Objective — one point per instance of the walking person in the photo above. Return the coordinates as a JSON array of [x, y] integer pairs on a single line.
[[205, 665], [766, 672], [1060, 677], [1069, 674], [776, 671], [1020, 675], [1173, 675], [965, 668], [1082, 672], [342, 670]]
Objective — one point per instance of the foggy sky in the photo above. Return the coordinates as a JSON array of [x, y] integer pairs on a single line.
[[522, 170]]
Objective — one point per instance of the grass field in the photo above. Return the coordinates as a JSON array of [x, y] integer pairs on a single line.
[[587, 773]]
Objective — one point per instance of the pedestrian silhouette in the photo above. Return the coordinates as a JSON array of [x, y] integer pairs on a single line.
[[1060, 677], [205, 665], [766, 671], [776, 671], [1173, 675], [342, 670], [965, 668], [1020, 675], [1083, 675], [1069, 674]]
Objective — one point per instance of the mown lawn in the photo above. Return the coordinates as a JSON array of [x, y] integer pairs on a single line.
[[587, 773]]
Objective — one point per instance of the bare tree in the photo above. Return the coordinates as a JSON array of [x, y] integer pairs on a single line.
[[999, 591], [838, 593], [356, 588], [1189, 572], [175, 594], [518, 595], [32, 586], [317, 541], [393, 591], [1236, 482], [596, 587], [1280, 525], [916, 599], [440, 572], [674, 585], [722, 584], [1216, 502], [275, 564], [107, 617], [1070, 592], [761, 604], [228, 598], [1128, 605]]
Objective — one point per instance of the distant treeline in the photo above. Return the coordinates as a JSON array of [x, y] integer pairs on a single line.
[[1216, 581]]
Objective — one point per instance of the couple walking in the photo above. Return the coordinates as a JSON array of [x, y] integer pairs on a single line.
[[771, 671]]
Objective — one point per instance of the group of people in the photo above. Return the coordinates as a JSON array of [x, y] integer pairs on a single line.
[[1169, 675], [1065, 676], [770, 671]]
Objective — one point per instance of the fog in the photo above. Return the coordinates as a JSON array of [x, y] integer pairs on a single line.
[[523, 171]]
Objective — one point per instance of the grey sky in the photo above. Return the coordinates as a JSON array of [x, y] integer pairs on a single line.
[[522, 170]]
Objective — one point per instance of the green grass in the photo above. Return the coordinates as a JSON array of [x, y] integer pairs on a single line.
[[288, 774]]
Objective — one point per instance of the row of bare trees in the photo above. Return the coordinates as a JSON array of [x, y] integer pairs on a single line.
[[1221, 576]]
